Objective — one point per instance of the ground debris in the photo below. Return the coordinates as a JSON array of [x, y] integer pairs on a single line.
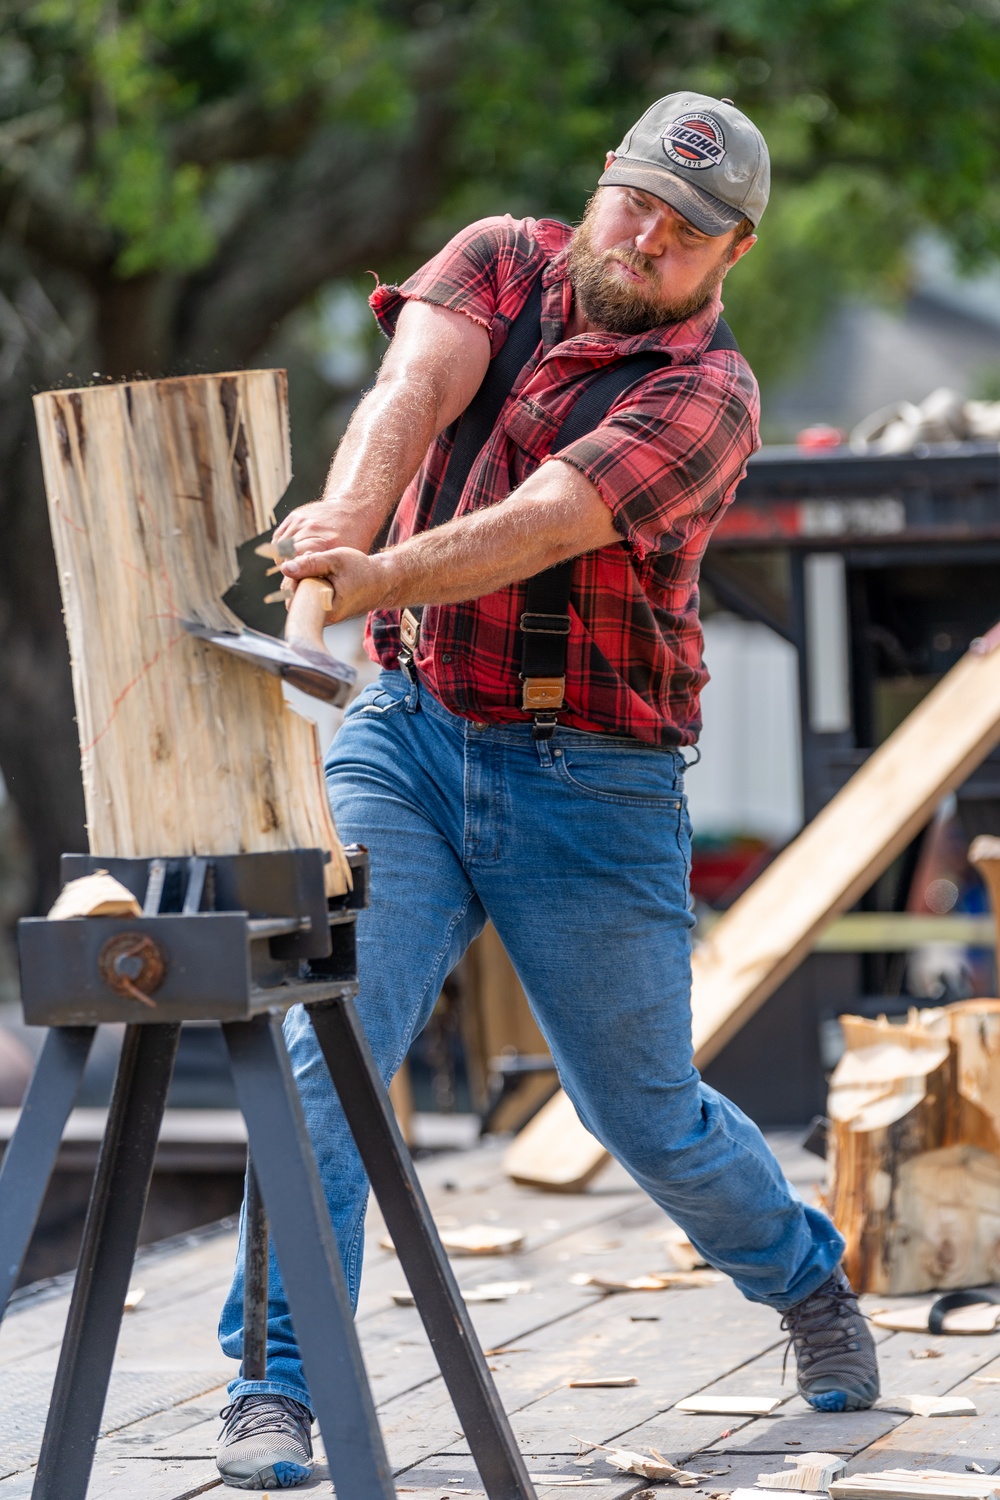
[[809, 1471], [597, 1382], [656, 1281], [928, 1406], [915, 1484], [730, 1406], [490, 1291], [474, 1239], [651, 1465]]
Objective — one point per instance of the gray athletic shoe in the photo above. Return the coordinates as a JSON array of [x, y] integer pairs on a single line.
[[834, 1349], [266, 1443]]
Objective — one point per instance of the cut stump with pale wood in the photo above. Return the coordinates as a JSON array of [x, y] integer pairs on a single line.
[[185, 749], [913, 1151]]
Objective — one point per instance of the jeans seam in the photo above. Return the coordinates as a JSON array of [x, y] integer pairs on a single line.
[[353, 1278]]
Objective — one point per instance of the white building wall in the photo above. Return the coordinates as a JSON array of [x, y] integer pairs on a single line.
[[749, 780]]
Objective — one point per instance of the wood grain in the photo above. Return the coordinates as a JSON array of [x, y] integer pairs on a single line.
[[185, 749]]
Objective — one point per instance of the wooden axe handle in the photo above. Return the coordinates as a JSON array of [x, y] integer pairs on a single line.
[[311, 603]]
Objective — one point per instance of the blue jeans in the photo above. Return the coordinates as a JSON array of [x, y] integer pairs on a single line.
[[578, 850]]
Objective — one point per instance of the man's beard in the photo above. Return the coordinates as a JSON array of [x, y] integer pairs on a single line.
[[610, 302]]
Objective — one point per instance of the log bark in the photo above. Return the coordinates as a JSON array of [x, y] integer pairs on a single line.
[[185, 749]]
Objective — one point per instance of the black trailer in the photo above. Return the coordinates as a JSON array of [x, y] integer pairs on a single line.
[[880, 570]]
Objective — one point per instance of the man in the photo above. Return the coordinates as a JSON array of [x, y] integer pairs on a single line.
[[563, 825]]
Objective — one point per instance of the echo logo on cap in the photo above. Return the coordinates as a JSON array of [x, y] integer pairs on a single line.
[[695, 141]]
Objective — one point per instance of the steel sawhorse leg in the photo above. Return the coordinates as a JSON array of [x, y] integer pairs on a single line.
[[110, 1236], [31, 1153], [311, 1272], [418, 1246]]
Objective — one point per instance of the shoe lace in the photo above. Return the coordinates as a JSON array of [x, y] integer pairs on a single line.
[[827, 1311], [252, 1416]]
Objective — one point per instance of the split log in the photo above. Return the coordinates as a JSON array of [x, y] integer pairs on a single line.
[[914, 1160], [185, 750]]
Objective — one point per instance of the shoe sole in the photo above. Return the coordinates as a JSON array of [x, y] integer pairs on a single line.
[[283, 1475]]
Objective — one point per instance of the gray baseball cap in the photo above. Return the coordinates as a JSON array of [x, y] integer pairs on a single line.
[[700, 155]]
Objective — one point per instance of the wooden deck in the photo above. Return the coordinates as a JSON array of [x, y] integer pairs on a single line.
[[161, 1419]]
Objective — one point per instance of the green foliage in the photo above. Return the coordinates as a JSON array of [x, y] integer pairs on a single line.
[[882, 116]]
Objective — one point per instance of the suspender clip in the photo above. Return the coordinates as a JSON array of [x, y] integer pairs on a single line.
[[409, 637]]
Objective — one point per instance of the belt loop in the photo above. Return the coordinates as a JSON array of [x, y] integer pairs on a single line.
[[544, 748], [412, 691]]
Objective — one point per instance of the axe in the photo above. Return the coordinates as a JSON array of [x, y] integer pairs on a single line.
[[301, 658]]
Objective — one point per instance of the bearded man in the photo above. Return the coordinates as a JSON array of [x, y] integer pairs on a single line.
[[521, 757]]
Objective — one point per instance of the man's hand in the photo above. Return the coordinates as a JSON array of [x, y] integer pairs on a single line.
[[321, 526], [358, 580]]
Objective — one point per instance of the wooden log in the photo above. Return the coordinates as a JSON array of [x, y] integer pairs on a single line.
[[185, 749], [765, 934], [914, 1159]]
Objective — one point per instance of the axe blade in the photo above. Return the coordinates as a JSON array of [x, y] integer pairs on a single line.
[[318, 674]]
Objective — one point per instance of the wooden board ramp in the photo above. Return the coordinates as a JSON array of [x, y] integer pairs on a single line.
[[771, 928]]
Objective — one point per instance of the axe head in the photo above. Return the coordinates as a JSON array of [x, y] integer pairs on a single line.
[[315, 672]]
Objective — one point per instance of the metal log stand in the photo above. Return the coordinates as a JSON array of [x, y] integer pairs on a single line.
[[236, 939]]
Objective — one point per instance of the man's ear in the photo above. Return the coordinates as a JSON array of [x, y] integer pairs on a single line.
[[608, 160], [740, 249]]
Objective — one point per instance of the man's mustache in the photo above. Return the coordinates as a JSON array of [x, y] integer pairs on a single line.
[[635, 260]]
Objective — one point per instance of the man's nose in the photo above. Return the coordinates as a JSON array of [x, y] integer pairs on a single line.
[[652, 238]]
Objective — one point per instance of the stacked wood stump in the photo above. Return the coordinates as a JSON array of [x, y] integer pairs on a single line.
[[914, 1142]]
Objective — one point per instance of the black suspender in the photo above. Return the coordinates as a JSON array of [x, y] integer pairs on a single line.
[[472, 431], [545, 623]]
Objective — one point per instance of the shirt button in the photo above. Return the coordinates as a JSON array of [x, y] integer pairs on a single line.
[[446, 656]]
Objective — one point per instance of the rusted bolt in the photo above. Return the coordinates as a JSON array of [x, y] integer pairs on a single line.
[[132, 964]]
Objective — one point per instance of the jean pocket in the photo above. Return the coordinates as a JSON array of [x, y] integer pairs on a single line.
[[376, 702], [632, 778]]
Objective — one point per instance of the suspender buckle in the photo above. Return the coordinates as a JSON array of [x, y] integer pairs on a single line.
[[409, 637], [543, 693], [409, 630]]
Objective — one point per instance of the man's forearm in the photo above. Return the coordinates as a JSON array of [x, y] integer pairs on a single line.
[[554, 515], [431, 372], [380, 452]]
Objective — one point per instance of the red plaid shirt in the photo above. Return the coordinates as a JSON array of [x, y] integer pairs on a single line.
[[666, 460]]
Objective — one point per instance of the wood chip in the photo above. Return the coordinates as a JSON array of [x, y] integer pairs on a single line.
[[928, 1406], [651, 1465], [133, 1297], [730, 1406], [809, 1471], [596, 1382], [490, 1291], [926, 1353], [96, 895], [915, 1484], [683, 1254], [657, 1281], [474, 1239]]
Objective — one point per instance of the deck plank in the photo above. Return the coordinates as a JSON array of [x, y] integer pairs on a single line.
[[162, 1419]]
